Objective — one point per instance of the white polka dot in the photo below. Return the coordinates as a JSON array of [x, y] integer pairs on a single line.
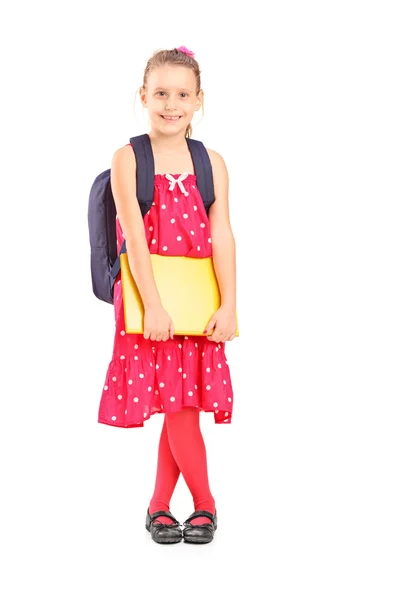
[[195, 386], [198, 247], [136, 357], [190, 393], [157, 366], [126, 369], [126, 412], [196, 345], [185, 216], [179, 345], [149, 389], [130, 382], [216, 412], [208, 369], [168, 357], [172, 399], [195, 207], [151, 364], [153, 204], [172, 220], [136, 399], [180, 369], [190, 353], [153, 241], [229, 399], [184, 376], [176, 199], [114, 379], [165, 248], [106, 387], [186, 337], [114, 418], [122, 357], [215, 404], [208, 387], [209, 239], [193, 186], [224, 382], [122, 332], [227, 414], [156, 392], [118, 282], [192, 232], [202, 225], [226, 420], [119, 397], [219, 365], [161, 385], [144, 415], [141, 375], [202, 353], [151, 228], [216, 349], [136, 346], [163, 206], [179, 238]]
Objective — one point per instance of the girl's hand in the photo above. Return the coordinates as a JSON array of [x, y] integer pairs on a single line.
[[225, 323], [158, 324]]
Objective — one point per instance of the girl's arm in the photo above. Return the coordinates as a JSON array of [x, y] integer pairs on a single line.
[[123, 185], [223, 242]]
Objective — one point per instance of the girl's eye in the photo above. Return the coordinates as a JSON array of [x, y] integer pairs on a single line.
[[184, 93]]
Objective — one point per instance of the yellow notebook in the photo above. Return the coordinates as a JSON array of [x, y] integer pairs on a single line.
[[188, 288]]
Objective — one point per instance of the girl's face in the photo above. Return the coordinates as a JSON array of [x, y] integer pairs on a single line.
[[171, 92]]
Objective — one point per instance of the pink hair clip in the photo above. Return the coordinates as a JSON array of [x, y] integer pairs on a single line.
[[185, 50]]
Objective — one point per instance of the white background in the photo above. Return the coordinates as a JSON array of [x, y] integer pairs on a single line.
[[302, 101]]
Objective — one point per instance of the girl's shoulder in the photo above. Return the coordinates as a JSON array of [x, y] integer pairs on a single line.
[[125, 157], [218, 164]]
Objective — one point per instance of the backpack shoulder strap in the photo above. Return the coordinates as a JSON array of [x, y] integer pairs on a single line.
[[144, 170], [144, 182], [203, 169]]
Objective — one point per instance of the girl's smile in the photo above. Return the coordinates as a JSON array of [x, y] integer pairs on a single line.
[[170, 118]]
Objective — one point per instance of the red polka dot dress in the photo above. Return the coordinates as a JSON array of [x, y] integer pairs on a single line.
[[146, 377]]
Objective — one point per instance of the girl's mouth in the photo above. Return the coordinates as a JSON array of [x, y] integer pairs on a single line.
[[170, 118]]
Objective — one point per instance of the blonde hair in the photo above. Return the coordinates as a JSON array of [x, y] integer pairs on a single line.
[[174, 57]]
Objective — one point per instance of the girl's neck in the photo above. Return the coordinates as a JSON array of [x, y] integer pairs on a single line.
[[168, 144]]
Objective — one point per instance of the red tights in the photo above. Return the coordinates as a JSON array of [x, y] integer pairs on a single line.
[[182, 450]]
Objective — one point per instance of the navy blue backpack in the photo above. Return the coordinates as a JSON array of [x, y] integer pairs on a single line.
[[104, 259]]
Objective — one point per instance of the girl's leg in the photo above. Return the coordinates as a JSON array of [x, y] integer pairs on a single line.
[[166, 478], [187, 446]]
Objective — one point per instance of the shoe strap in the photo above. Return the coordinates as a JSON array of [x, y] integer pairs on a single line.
[[200, 513], [163, 513]]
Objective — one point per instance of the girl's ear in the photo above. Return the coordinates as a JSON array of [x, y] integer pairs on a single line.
[[142, 95]]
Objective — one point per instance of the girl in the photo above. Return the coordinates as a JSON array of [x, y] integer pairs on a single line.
[[158, 372]]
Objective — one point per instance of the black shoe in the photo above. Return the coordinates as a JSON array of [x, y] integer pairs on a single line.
[[200, 534], [163, 533]]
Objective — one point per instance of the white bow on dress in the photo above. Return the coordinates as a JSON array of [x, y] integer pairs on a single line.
[[178, 181]]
